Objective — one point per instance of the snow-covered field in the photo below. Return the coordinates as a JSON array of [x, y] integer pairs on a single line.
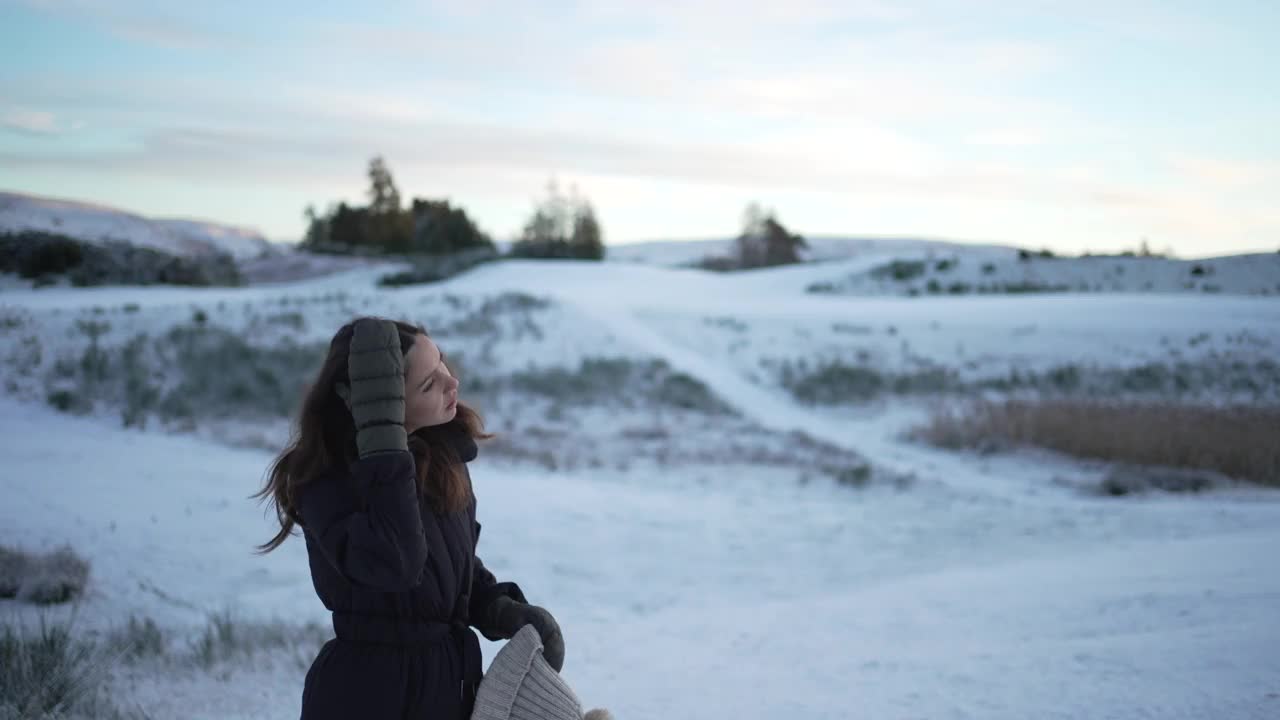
[[950, 586]]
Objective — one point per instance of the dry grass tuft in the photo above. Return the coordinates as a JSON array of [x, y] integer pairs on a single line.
[[1239, 442]]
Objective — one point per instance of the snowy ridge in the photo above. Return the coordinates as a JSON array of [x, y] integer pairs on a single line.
[[243, 243], [684, 252], [96, 223], [964, 271], [911, 266]]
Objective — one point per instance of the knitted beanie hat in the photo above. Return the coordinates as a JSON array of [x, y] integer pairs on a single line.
[[521, 685]]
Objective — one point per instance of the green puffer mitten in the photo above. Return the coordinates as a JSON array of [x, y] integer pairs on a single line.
[[375, 396]]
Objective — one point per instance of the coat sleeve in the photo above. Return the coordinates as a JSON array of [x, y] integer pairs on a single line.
[[485, 588], [380, 545]]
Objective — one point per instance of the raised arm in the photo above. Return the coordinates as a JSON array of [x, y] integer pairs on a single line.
[[381, 545], [378, 541]]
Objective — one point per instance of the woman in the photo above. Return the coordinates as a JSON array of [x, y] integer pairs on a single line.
[[377, 479]]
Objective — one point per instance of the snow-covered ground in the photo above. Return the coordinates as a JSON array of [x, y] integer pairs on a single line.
[[986, 587]]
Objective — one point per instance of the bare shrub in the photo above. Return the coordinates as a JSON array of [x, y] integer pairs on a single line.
[[226, 637], [55, 578], [13, 567], [56, 671], [48, 672], [140, 638], [195, 370], [838, 382], [46, 579], [607, 381], [1238, 441]]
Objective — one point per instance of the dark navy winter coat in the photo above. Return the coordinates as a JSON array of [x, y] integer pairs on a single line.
[[403, 584]]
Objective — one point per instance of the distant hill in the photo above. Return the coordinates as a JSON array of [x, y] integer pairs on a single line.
[[916, 266], [1009, 271], [96, 223], [686, 252]]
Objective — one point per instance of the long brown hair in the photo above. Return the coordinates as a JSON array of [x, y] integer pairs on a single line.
[[325, 439]]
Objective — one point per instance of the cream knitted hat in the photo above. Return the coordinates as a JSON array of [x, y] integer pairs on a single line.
[[521, 685]]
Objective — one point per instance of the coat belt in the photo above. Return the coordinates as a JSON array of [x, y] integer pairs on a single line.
[[406, 632]]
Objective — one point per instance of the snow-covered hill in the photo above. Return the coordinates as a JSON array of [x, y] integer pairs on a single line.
[[95, 223], [910, 266], [243, 243], [674, 253], [964, 271]]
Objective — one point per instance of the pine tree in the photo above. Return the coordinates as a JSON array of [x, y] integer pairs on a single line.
[[562, 226], [440, 229], [384, 198], [587, 239], [387, 226]]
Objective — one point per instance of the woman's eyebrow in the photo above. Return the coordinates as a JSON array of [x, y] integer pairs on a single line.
[[433, 372]]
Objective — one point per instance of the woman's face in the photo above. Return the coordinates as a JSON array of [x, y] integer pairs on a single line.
[[430, 390]]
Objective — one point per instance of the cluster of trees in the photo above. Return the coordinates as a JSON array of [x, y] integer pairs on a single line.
[[763, 242], [431, 227], [562, 226]]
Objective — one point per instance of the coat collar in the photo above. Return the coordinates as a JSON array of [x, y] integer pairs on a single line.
[[462, 442]]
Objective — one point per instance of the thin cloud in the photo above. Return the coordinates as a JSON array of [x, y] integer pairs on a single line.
[[764, 60], [283, 156], [1222, 172], [31, 122]]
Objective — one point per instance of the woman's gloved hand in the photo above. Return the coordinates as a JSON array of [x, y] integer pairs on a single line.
[[507, 616], [375, 395]]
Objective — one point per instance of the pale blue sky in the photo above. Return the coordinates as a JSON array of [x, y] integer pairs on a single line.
[[1072, 125]]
